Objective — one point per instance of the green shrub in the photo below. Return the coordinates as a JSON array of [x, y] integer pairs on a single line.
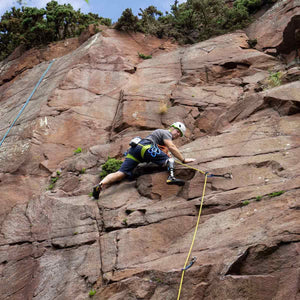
[[188, 22], [143, 56], [32, 27], [191, 21], [148, 21], [275, 194], [104, 21], [54, 179], [128, 21], [252, 5], [235, 18], [110, 166], [82, 171], [274, 79], [92, 293], [78, 150], [258, 198], [245, 202], [50, 187], [252, 43]]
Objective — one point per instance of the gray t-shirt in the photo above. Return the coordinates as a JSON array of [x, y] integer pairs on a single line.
[[159, 135]]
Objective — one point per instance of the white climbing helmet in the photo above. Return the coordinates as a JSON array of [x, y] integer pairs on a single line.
[[180, 126]]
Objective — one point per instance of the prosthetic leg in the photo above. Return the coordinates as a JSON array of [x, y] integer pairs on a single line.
[[171, 179]]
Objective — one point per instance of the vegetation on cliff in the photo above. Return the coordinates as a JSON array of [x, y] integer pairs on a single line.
[[30, 26], [193, 20], [188, 22], [110, 166]]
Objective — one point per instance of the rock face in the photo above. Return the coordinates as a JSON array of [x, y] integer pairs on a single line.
[[58, 243], [282, 35]]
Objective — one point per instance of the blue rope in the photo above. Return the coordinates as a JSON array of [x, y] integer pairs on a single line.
[[27, 101]]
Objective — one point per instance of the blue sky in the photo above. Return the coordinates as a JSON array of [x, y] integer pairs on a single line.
[[105, 8]]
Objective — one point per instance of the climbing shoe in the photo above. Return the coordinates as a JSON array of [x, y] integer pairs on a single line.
[[96, 191], [175, 181]]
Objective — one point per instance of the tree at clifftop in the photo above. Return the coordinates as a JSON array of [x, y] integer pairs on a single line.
[[252, 5], [188, 22], [128, 21], [193, 20], [30, 26]]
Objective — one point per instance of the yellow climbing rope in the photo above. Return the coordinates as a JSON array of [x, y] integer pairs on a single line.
[[195, 232], [190, 167]]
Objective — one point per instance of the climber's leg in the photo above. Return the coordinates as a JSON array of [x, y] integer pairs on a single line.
[[171, 179]]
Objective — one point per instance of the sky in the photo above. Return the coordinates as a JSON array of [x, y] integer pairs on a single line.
[[105, 8]]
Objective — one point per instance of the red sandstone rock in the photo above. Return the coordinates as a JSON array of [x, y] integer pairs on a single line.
[[280, 34], [133, 242]]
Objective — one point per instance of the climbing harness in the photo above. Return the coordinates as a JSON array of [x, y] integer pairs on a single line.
[[187, 265], [152, 149], [144, 149], [132, 157], [27, 101]]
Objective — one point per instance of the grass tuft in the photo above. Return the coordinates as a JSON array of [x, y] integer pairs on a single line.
[[143, 56], [276, 194]]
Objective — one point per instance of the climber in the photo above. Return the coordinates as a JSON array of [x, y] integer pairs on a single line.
[[153, 148]]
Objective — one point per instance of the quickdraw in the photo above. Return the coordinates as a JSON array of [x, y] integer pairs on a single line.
[[226, 175], [190, 264], [194, 237]]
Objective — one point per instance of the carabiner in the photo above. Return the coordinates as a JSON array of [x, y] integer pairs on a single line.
[[154, 151], [228, 176]]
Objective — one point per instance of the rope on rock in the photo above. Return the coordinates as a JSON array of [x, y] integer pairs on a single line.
[[187, 265], [194, 237], [190, 167], [27, 101], [226, 175]]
